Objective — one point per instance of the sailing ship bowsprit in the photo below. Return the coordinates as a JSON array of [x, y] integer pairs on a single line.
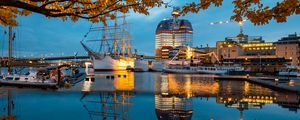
[[114, 53]]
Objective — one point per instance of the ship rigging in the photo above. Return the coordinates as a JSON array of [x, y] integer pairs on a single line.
[[114, 52]]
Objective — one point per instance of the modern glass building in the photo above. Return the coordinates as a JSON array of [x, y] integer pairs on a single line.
[[173, 32]]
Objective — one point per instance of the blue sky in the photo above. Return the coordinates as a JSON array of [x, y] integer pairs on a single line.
[[40, 36]]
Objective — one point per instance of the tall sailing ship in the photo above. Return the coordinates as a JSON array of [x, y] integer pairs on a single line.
[[114, 53]]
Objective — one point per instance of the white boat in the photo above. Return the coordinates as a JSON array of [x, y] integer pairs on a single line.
[[157, 66], [218, 69], [141, 65], [181, 69], [211, 70], [201, 69], [292, 71], [114, 53], [30, 79], [107, 63]]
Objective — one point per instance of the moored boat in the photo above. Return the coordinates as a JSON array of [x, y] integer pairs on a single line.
[[201, 69], [107, 63], [28, 80], [181, 69], [141, 65], [114, 53], [157, 66], [218, 69], [211, 70]]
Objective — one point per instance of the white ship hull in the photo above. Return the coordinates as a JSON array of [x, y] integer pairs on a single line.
[[187, 70], [141, 65], [157, 66], [201, 69], [213, 70], [107, 63]]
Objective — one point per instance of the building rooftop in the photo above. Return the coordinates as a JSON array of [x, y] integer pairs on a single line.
[[290, 39], [167, 26]]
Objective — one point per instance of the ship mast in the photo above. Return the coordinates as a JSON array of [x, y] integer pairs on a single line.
[[125, 35], [104, 39], [123, 40], [128, 38], [115, 36], [129, 46], [10, 40]]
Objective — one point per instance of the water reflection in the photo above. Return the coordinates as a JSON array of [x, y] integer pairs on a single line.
[[172, 100], [7, 111], [110, 81], [128, 95], [173, 95], [243, 95], [109, 97]]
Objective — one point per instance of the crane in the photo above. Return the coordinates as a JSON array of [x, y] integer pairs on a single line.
[[229, 21]]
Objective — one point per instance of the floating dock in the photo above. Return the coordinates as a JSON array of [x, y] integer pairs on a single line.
[[271, 82]]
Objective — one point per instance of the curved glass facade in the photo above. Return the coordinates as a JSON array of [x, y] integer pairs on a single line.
[[173, 32]]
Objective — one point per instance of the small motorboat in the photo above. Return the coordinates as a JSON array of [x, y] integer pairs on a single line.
[[30, 79]]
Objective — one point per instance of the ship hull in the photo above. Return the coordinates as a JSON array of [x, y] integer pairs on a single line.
[[109, 64], [181, 71], [157, 66]]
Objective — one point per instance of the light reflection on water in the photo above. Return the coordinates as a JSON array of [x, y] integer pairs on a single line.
[[145, 95]]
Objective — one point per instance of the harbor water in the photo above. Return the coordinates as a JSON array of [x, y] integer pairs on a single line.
[[151, 96]]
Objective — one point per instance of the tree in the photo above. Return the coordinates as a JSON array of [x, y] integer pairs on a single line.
[[99, 10], [93, 10], [253, 10]]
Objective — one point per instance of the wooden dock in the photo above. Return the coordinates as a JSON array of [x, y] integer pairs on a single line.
[[279, 84]]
